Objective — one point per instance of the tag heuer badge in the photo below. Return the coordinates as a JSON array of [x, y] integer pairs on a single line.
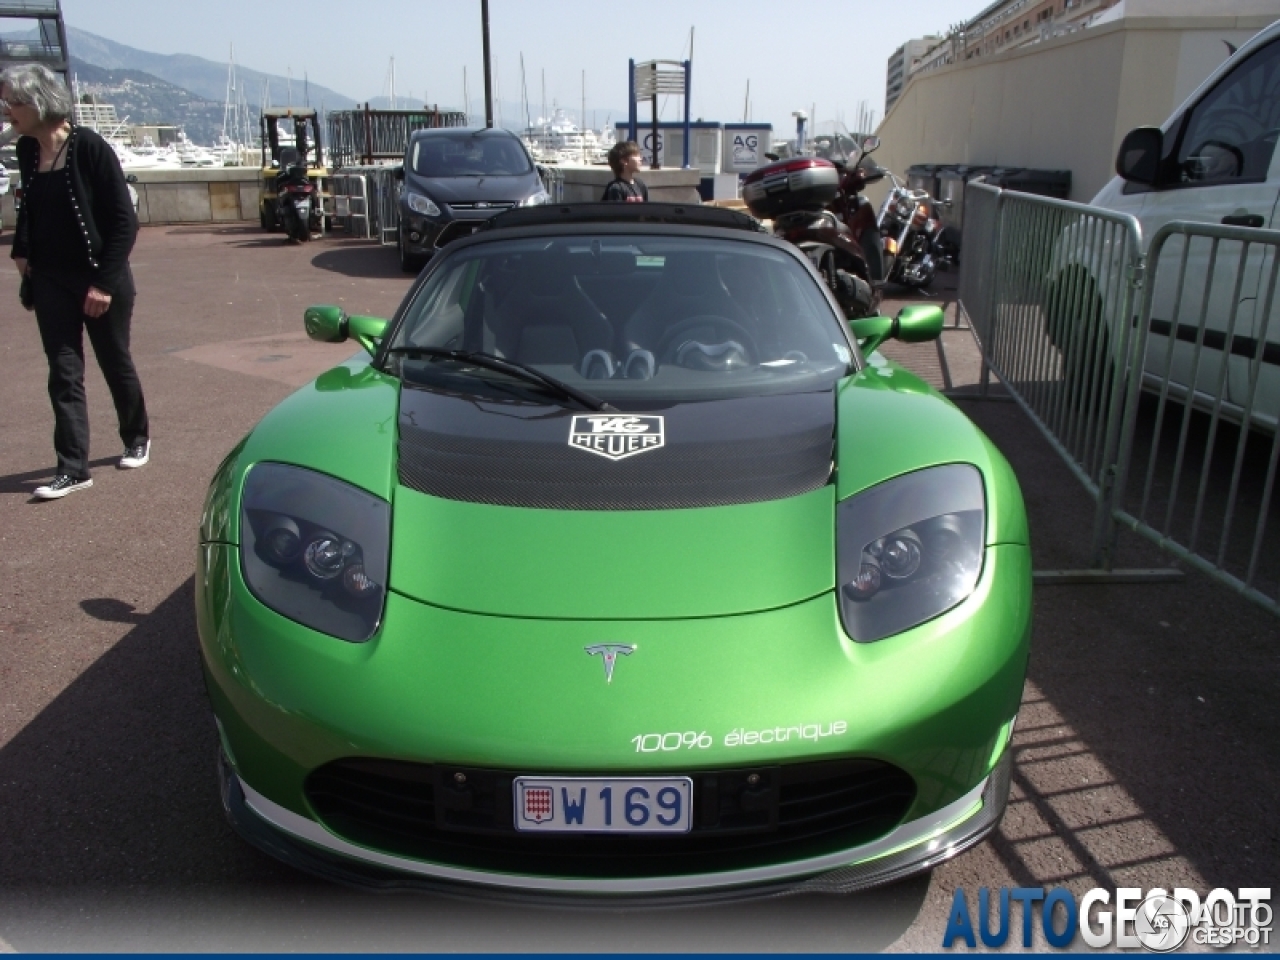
[[616, 436]]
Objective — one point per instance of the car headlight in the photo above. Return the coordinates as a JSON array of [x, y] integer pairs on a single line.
[[421, 203], [909, 549], [314, 549], [538, 198]]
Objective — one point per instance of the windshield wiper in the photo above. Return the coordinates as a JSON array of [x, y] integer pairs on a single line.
[[510, 367]]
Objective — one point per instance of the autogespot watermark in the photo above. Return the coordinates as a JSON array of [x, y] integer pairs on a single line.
[[1159, 920]]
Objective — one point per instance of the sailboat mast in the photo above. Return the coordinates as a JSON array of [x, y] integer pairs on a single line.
[[524, 92], [226, 104]]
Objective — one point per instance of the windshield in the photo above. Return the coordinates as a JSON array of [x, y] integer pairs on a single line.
[[468, 155], [633, 320], [835, 147]]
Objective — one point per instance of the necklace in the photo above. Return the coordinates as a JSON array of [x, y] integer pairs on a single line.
[[57, 156]]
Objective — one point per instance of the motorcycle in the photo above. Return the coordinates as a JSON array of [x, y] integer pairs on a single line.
[[296, 195], [908, 222], [816, 203]]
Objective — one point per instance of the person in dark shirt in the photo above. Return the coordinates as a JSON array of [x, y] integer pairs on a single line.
[[71, 245], [626, 187]]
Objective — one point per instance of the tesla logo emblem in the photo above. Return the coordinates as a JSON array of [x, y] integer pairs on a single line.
[[609, 653]]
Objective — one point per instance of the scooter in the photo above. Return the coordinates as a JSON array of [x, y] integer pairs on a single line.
[[816, 203], [299, 211]]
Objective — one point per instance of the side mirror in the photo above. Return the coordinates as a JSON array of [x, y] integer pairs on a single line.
[[1139, 158], [399, 173], [870, 144], [325, 324], [330, 324], [915, 324], [919, 324], [130, 178], [772, 157]]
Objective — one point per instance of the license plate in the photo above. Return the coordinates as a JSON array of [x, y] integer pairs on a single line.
[[603, 804]]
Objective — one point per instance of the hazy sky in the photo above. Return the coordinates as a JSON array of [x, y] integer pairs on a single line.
[[828, 53]]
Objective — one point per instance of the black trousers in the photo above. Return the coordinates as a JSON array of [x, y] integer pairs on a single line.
[[60, 315]]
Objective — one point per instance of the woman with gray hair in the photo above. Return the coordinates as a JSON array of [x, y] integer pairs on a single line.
[[75, 229]]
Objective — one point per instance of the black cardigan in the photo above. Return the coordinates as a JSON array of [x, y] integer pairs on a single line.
[[100, 199]]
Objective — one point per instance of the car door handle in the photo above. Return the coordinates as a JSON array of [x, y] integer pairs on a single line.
[[1243, 220]]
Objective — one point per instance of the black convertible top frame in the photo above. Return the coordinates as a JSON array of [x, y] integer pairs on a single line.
[[688, 214]]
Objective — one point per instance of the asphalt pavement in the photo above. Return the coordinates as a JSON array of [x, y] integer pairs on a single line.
[[1148, 747]]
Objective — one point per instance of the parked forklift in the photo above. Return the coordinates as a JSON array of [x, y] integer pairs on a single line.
[[289, 134]]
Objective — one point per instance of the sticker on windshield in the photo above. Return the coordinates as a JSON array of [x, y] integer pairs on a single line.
[[616, 436]]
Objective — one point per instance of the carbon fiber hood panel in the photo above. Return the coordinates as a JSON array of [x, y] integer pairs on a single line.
[[713, 453]]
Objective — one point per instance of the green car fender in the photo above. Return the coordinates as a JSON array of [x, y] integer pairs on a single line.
[[891, 422], [354, 402]]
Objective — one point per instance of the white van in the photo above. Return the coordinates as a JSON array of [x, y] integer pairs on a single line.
[[1213, 161]]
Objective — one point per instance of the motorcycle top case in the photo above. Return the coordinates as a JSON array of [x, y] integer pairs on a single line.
[[802, 183]]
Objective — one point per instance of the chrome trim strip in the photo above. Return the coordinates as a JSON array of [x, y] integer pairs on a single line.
[[917, 831]]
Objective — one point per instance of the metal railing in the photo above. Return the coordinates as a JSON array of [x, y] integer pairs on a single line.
[[1210, 369], [552, 181], [1107, 360], [366, 202], [21, 8], [363, 137], [1038, 278]]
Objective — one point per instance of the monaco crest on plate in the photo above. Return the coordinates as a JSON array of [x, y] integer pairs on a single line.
[[536, 803], [616, 435]]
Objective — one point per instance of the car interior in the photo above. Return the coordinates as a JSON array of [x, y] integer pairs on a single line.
[[615, 312]]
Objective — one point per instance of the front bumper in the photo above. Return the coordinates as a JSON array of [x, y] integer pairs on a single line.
[[913, 847], [444, 687], [422, 236]]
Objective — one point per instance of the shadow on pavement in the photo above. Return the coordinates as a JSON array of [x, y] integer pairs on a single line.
[[361, 259], [241, 228], [111, 610], [26, 482], [115, 840], [1149, 740]]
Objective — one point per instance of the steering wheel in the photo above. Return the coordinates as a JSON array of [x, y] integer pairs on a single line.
[[1215, 170], [674, 337]]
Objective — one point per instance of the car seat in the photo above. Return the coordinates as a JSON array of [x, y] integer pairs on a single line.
[[547, 319], [690, 287]]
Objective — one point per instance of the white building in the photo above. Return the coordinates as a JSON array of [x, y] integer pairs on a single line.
[[902, 63]]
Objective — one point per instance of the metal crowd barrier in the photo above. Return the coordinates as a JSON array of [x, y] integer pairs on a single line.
[[1209, 362], [1076, 322], [366, 202], [552, 181], [1038, 277]]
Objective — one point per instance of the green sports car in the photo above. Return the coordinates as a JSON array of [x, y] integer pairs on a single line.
[[620, 565]]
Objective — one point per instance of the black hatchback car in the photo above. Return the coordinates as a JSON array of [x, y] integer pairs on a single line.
[[454, 180]]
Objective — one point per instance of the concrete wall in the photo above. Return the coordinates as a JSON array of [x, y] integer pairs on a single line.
[[215, 194], [1067, 103]]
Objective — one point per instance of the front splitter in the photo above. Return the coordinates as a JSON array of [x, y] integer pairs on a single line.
[[911, 848]]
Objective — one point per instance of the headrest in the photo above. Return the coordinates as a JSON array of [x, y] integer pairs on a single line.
[[547, 273]]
